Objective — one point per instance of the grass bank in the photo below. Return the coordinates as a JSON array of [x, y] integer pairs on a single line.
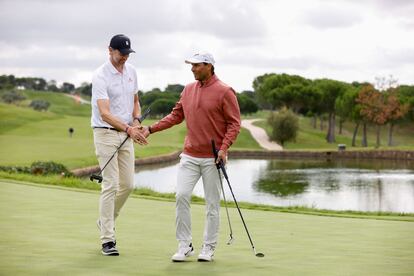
[[52, 232]]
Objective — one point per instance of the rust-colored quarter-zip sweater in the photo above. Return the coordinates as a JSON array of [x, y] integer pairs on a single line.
[[211, 111]]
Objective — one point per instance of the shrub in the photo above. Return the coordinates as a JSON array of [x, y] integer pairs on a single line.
[[15, 169], [12, 96], [39, 105], [285, 125], [50, 167], [39, 168]]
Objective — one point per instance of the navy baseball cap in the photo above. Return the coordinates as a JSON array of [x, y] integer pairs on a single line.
[[121, 43]]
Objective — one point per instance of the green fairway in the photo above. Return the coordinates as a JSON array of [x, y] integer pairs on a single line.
[[27, 135], [52, 231]]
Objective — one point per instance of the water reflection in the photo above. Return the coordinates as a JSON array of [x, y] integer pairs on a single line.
[[340, 185]]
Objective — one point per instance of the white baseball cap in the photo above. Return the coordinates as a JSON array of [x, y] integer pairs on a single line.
[[201, 58]]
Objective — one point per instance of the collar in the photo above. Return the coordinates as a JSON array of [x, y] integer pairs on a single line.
[[209, 82], [113, 69]]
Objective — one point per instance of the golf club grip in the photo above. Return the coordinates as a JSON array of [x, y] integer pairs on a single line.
[[220, 165], [213, 145], [143, 116]]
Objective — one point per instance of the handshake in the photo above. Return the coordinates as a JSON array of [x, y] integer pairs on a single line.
[[139, 134]]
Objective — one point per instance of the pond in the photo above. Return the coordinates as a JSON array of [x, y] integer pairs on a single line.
[[368, 185]]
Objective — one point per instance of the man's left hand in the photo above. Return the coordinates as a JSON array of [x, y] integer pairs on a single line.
[[222, 155]]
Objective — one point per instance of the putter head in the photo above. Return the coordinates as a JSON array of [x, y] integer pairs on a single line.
[[260, 255], [230, 240], [96, 177]]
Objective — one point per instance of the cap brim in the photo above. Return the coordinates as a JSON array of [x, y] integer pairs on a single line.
[[192, 61], [126, 51]]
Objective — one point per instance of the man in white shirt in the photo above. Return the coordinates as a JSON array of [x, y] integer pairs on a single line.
[[115, 115]]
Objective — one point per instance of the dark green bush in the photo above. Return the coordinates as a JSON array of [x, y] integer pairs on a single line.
[[39, 105], [49, 167], [12, 96], [285, 126], [39, 168], [15, 169]]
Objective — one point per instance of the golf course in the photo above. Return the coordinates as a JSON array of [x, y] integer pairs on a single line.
[[48, 225], [51, 231]]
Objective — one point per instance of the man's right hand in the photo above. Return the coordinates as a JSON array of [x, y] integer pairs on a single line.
[[145, 131], [136, 133]]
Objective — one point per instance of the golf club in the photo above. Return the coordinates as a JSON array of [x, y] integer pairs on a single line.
[[224, 196], [99, 175], [223, 169]]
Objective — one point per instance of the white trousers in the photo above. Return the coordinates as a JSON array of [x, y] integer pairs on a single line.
[[189, 172], [118, 177]]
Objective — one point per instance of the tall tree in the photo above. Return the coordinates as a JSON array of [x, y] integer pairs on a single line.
[[373, 108], [280, 90], [395, 111], [349, 110], [331, 90]]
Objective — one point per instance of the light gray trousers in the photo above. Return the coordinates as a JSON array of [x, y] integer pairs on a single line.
[[189, 172]]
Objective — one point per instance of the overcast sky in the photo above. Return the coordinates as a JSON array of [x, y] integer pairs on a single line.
[[349, 40]]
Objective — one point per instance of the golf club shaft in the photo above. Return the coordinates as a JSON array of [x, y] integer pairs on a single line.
[[225, 205], [237, 205], [123, 142], [142, 118], [220, 165]]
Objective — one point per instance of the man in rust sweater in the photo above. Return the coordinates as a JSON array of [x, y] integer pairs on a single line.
[[211, 111]]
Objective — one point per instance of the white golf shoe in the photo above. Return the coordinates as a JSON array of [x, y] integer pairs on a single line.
[[183, 252], [207, 253]]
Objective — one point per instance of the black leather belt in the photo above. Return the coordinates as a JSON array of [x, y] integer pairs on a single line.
[[110, 128]]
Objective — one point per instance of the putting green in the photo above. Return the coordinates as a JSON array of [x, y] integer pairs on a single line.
[[51, 231]]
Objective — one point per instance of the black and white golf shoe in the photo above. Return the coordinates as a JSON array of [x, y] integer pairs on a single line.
[[109, 249], [182, 253]]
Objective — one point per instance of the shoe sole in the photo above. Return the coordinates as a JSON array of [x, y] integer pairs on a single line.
[[204, 260], [183, 260], [113, 253]]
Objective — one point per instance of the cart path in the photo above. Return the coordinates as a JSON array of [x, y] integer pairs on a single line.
[[260, 135]]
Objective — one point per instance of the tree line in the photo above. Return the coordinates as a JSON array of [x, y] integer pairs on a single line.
[[161, 101], [325, 100], [334, 101]]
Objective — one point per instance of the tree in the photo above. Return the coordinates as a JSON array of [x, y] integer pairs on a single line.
[[246, 104], [52, 86], [7, 81], [174, 88], [331, 90], [279, 90], [85, 89], [373, 108], [162, 106], [285, 126], [32, 83], [395, 111], [67, 87], [406, 96], [347, 109]]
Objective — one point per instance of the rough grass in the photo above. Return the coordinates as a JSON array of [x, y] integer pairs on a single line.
[[48, 231]]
